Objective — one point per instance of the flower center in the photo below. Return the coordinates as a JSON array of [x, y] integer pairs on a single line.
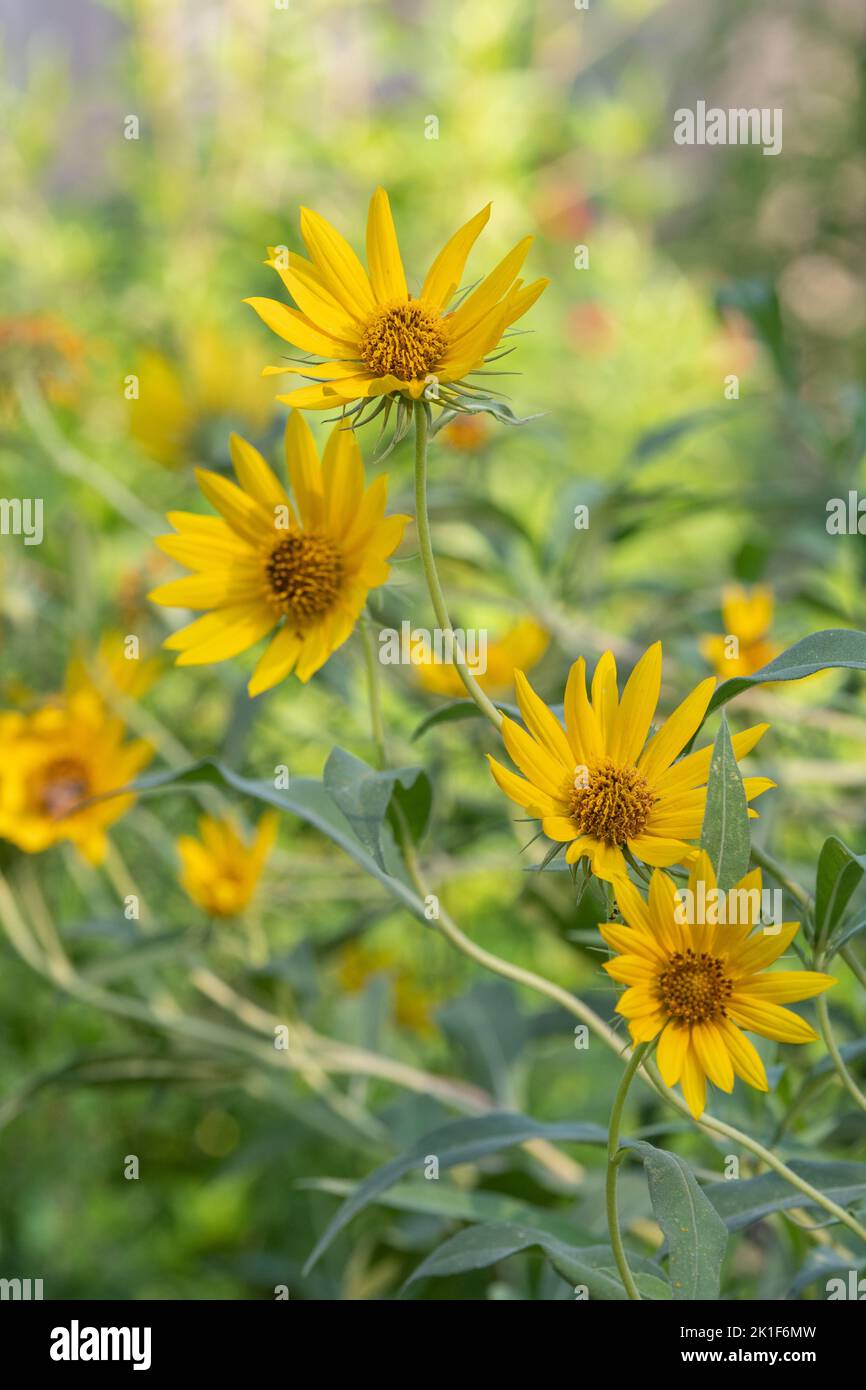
[[694, 989], [610, 803], [404, 339], [66, 782], [304, 574]]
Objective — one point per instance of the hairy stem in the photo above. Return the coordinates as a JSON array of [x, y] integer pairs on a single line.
[[440, 607]]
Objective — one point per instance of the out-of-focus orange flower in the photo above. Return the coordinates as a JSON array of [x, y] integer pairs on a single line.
[[45, 347], [466, 433]]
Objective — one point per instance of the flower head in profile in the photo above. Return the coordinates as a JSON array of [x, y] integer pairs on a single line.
[[695, 985], [600, 785], [57, 757], [520, 648], [220, 871], [745, 646], [301, 569], [367, 337]]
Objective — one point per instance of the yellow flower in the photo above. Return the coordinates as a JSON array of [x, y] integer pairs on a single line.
[[264, 563], [521, 647], [215, 379], [56, 757], [371, 336], [598, 785], [747, 617], [699, 985], [113, 670], [219, 871], [412, 1005]]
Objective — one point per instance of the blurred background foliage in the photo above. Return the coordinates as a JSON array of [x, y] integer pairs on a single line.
[[124, 257]]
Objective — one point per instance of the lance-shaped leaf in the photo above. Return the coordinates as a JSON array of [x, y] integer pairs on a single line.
[[366, 796], [838, 875], [725, 832], [696, 1235]]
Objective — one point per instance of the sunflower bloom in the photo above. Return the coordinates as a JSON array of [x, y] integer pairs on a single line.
[[747, 619], [597, 785], [519, 648], [56, 758], [696, 986], [304, 568], [372, 338], [220, 872]]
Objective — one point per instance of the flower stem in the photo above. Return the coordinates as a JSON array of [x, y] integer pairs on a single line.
[[833, 1048], [437, 597], [613, 1160], [791, 886]]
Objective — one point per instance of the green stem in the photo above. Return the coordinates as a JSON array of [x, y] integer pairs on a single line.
[[790, 885], [833, 1048], [374, 693], [613, 1161], [853, 964], [437, 597]]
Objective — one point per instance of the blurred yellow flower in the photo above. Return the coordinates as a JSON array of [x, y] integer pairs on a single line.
[[521, 647], [744, 647], [699, 983], [113, 669], [220, 872], [305, 569], [62, 754], [371, 336], [215, 379], [413, 1006], [597, 785]]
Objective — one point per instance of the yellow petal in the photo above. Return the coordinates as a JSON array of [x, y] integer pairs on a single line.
[[580, 718], [637, 707], [744, 1057], [383, 252], [305, 472], [760, 1016], [277, 662], [254, 475], [532, 799], [343, 273], [243, 513], [672, 1049], [676, 731], [297, 329], [712, 1054], [784, 986], [693, 1082], [533, 760], [541, 722], [446, 272]]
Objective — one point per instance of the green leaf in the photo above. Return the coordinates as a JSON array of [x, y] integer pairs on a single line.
[[725, 831], [451, 1203], [305, 798], [460, 1141], [482, 1246], [838, 875], [695, 1233], [742, 1201], [365, 796], [835, 647]]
